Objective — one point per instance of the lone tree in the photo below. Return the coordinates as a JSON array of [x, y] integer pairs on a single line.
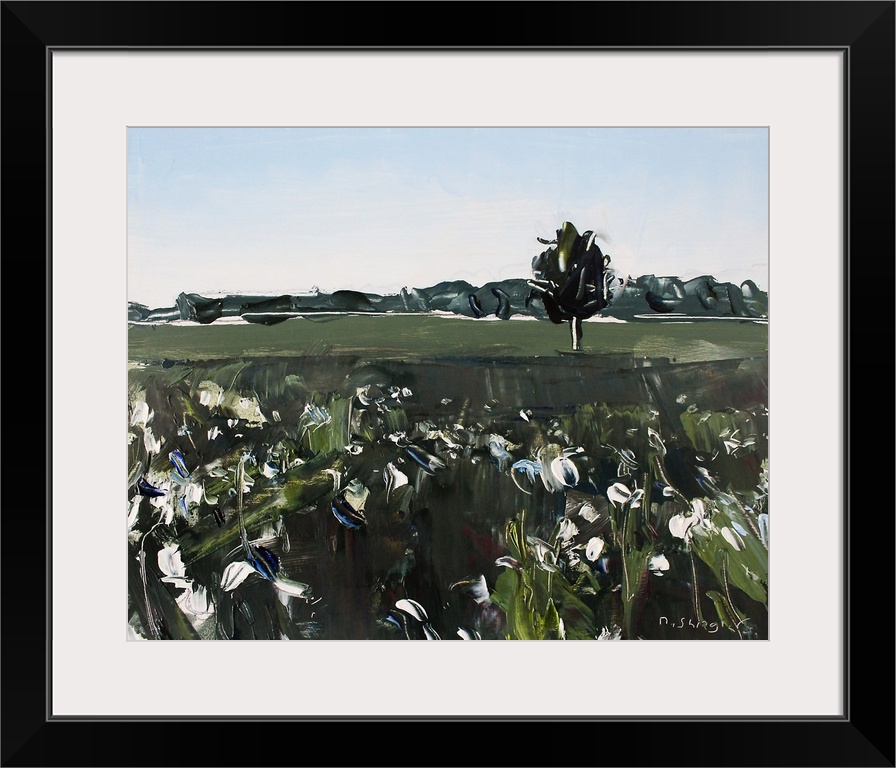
[[571, 279]]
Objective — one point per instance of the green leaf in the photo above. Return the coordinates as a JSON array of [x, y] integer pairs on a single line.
[[743, 564], [726, 612], [551, 623], [509, 597]]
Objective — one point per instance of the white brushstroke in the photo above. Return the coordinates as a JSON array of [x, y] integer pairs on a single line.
[[394, 478], [594, 548], [412, 608], [291, 587], [211, 500], [731, 446], [195, 602], [210, 393], [680, 526], [133, 634], [193, 494], [628, 459], [610, 634], [172, 565], [235, 574], [733, 539], [565, 471], [315, 416], [141, 414], [478, 590], [588, 512], [618, 493], [468, 634], [133, 510], [568, 529], [657, 564], [542, 466], [763, 529], [337, 478], [357, 494], [545, 559], [653, 437], [150, 443]]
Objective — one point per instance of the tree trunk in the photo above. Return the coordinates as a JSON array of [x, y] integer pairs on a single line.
[[575, 328]]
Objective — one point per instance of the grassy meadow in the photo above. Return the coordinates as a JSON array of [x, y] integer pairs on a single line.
[[424, 477]]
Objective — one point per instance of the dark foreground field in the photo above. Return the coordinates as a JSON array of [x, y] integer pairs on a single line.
[[428, 478]]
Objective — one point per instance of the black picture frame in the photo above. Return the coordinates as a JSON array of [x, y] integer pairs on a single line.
[[863, 31]]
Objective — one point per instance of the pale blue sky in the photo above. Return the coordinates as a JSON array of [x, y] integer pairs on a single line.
[[281, 210]]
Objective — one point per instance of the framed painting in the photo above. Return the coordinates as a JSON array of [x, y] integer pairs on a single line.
[[405, 445], [452, 344]]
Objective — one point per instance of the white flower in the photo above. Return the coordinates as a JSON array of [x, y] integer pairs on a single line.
[[545, 559], [681, 526], [568, 530], [141, 414], [412, 608], [150, 443], [588, 512], [235, 574], [610, 634], [657, 564], [478, 590], [594, 547], [394, 478], [172, 565], [195, 602], [564, 471], [618, 493]]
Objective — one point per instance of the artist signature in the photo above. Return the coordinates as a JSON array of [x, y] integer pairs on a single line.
[[709, 626]]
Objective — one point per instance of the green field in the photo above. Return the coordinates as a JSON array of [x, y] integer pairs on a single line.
[[406, 337], [420, 477]]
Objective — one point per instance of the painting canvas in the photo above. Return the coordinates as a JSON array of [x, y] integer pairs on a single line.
[[447, 384]]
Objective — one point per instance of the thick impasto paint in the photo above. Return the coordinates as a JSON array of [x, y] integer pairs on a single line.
[[448, 384]]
